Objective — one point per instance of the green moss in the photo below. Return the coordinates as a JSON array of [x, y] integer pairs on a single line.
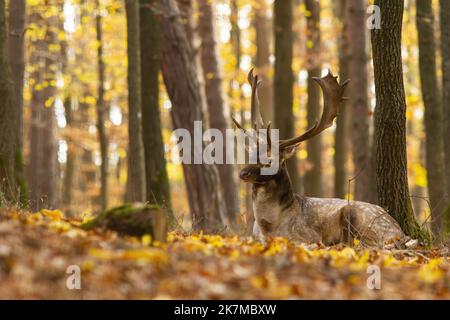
[[129, 219], [414, 230]]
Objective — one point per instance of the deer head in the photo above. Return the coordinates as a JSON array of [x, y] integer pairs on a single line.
[[332, 96]]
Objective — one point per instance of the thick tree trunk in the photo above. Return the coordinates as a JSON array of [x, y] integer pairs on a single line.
[[43, 164], [8, 119], [158, 190], [313, 175], [341, 136], [217, 107], [101, 108], [284, 79], [445, 47], [180, 78], [390, 118], [359, 100], [262, 60], [17, 14], [434, 142], [136, 165]]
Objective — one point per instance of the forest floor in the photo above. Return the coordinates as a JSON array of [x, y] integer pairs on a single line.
[[37, 249]]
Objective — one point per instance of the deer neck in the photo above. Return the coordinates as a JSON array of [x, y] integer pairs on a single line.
[[274, 202]]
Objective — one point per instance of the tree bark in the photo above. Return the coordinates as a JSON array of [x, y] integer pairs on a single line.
[[217, 107], [445, 48], [235, 92], [17, 14], [158, 190], [341, 137], [8, 119], [43, 164], [284, 79], [390, 118], [434, 142], [359, 100], [180, 78], [313, 175], [68, 182], [136, 165], [101, 108]]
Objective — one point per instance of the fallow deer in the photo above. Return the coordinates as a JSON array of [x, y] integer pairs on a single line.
[[278, 211]]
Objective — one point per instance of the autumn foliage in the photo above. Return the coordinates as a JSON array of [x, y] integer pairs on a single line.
[[37, 248]]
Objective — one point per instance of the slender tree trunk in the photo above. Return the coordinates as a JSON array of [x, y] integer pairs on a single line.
[[158, 190], [390, 118], [235, 92], [101, 108], [71, 161], [433, 114], [445, 48], [341, 137], [68, 183], [81, 118], [8, 119], [217, 107], [180, 78], [262, 60], [359, 99], [313, 175], [284, 79], [136, 165]]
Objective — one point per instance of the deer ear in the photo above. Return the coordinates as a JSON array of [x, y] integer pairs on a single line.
[[289, 151]]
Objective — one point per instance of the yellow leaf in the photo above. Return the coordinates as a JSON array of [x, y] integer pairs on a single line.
[[53, 214], [146, 239]]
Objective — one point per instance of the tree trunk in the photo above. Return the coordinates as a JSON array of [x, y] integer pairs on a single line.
[[359, 99], [71, 161], [158, 190], [236, 94], [342, 122], [313, 175], [445, 47], [43, 164], [8, 119], [217, 107], [17, 13], [68, 182], [136, 165], [101, 108], [390, 119], [434, 142], [284, 79], [262, 60], [180, 78]]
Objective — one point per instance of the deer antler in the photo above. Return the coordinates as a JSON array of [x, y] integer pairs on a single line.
[[332, 98], [255, 112], [256, 118]]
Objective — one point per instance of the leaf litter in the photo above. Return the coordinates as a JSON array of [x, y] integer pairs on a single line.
[[37, 248]]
